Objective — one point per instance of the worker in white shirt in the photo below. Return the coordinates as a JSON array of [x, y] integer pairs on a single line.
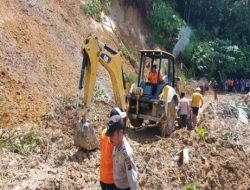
[[184, 110]]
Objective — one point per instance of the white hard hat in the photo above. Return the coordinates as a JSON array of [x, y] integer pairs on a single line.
[[116, 111]]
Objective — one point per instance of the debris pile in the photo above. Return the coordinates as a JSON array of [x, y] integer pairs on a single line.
[[218, 160]]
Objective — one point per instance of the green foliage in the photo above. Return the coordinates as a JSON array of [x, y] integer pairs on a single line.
[[215, 22], [95, 7], [193, 186], [100, 95], [179, 73], [202, 58], [220, 33], [227, 135], [106, 6], [20, 142], [123, 49], [67, 101], [131, 78], [222, 18], [48, 68], [212, 56], [166, 24], [246, 65], [201, 133]]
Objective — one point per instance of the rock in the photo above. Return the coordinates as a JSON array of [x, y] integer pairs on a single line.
[[13, 164], [203, 159]]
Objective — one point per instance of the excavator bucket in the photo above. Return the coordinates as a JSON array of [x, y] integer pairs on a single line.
[[85, 136]]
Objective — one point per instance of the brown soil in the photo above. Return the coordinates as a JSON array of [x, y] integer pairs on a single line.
[[215, 163], [39, 70], [40, 55]]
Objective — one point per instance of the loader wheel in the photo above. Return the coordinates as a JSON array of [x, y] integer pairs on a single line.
[[136, 122], [168, 126]]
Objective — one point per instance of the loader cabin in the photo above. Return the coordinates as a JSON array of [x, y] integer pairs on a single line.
[[163, 62]]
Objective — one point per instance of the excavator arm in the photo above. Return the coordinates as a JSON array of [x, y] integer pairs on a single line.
[[95, 53]]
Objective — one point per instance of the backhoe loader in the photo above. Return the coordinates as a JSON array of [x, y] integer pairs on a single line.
[[155, 103]]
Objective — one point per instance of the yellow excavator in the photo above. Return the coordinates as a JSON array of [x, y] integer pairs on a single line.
[[155, 103]]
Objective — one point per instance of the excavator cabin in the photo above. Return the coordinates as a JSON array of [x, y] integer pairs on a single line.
[[164, 63], [150, 99]]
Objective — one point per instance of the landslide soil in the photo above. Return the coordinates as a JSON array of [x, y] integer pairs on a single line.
[[218, 162], [40, 56], [39, 71]]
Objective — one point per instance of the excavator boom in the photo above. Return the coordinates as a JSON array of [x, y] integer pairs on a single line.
[[95, 53]]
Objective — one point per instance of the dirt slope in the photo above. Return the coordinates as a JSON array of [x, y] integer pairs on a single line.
[[40, 54], [34, 61]]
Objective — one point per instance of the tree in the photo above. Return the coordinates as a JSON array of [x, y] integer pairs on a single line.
[[166, 23]]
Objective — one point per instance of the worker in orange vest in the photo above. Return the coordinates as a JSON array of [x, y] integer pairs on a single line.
[[153, 75], [106, 163], [153, 78]]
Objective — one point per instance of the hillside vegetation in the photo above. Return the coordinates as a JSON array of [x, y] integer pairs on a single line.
[[220, 37]]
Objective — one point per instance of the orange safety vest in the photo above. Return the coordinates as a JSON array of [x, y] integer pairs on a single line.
[[230, 82], [152, 77], [106, 163]]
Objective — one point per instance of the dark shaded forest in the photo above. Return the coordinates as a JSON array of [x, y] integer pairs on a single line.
[[220, 34]]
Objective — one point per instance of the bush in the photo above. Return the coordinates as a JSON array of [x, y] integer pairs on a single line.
[[67, 101], [95, 7], [131, 78], [100, 95], [48, 68], [166, 23], [179, 73], [209, 57], [123, 49], [229, 135], [201, 133], [20, 142], [193, 186], [106, 6]]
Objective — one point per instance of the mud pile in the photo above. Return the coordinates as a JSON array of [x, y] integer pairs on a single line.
[[220, 161]]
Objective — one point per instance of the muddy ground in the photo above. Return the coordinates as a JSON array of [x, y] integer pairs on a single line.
[[40, 61], [220, 161]]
